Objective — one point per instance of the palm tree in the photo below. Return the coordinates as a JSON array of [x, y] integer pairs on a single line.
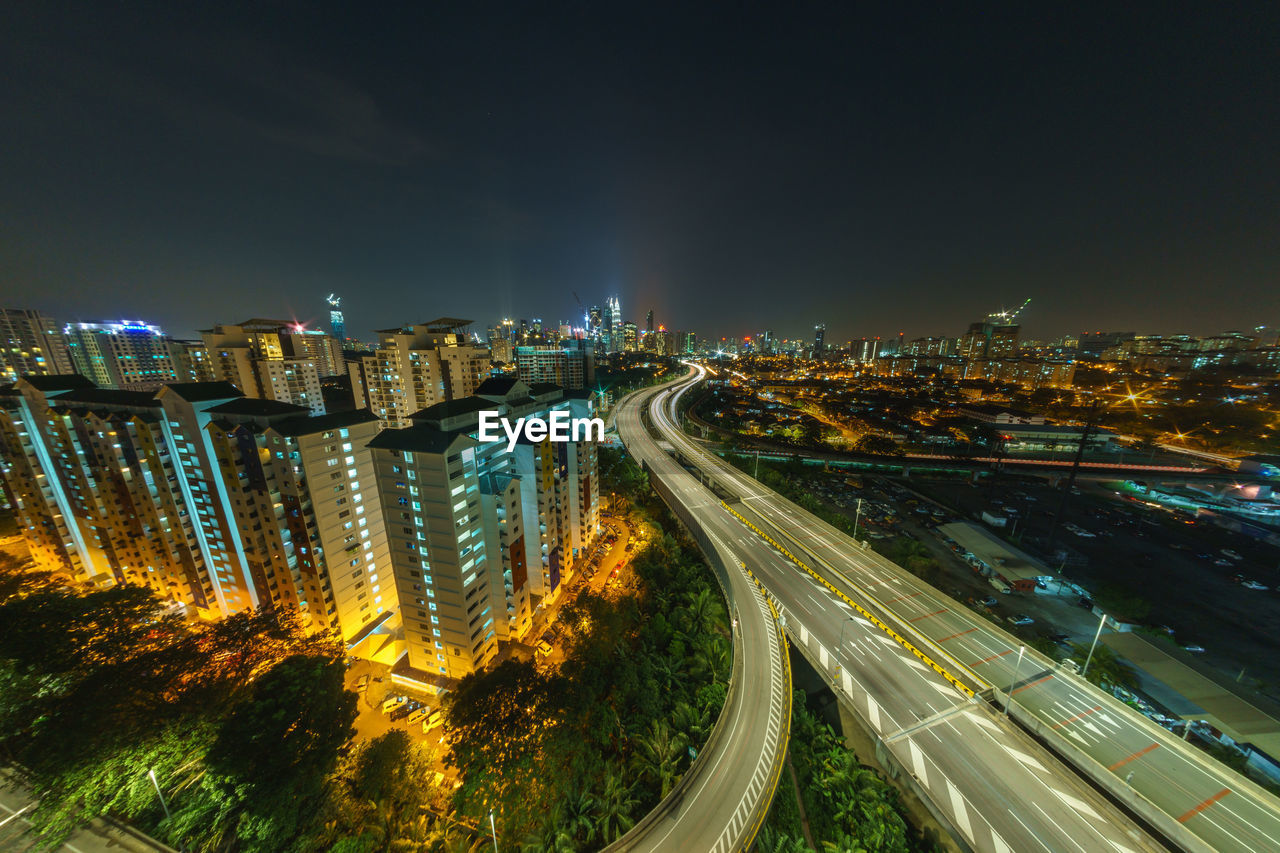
[[703, 611], [658, 754], [577, 817], [613, 810], [843, 844], [711, 658], [771, 841], [690, 722]]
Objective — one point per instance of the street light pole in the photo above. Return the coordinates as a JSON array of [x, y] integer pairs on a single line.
[[493, 829], [1017, 671], [16, 814], [1094, 645], [152, 773], [856, 517], [756, 475]]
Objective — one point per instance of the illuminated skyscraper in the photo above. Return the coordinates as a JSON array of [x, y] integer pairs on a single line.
[[337, 324], [819, 337], [617, 323]]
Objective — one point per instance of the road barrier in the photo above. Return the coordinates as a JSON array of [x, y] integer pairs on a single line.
[[862, 611]]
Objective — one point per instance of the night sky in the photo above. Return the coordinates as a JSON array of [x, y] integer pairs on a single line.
[[734, 170]]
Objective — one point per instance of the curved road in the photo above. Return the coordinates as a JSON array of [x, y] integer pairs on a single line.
[[725, 796], [983, 776], [1192, 798]]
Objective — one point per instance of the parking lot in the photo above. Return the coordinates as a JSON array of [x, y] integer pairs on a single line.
[[1214, 588]]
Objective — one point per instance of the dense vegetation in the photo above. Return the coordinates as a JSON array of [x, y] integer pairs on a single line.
[[571, 759], [246, 725], [241, 722], [848, 806]]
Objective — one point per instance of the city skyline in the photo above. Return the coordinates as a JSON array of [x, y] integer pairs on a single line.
[[163, 165]]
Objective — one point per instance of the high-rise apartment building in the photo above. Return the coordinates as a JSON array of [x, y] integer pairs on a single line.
[[31, 344], [930, 346], [418, 366], [274, 360], [129, 356], [819, 341], [216, 501], [630, 337], [481, 536], [191, 361], [571, 365]]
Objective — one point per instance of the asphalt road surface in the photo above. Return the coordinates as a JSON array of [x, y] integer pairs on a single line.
[[726, 795], [1215, 804]]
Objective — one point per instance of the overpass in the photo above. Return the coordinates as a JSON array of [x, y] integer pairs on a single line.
[[721, 802], [1190, 799]]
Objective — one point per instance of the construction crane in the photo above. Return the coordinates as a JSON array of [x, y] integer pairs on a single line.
[[1007, 317]]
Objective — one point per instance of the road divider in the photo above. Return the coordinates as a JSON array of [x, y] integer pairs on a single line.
[[861, 611]]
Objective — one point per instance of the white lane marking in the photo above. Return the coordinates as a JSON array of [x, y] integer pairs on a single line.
[[917, 762], [981, 720], [959, 810], [1025, 759], [1077, 804]]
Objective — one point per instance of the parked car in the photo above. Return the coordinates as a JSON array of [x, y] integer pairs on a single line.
[[1193, 648], [435, 717], [990, 601], [1253, 585], [543, 647], [1021, 619], [392, 702]]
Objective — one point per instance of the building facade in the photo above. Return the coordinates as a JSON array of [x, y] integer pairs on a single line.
[[218, 502], [31, 344], [480, 536], [128, 356], [418, 366]]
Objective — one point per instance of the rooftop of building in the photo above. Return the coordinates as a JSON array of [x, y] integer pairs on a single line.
[[199, 392], [1006, 559], [497, 386], [257, 407], [993, 409], [108, 397], [419, 438], [306, 425], [58, 382], [1052, 429], [452, 409]]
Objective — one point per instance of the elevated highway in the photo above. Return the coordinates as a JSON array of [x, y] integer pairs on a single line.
[[1193, 801], [721, 802]]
